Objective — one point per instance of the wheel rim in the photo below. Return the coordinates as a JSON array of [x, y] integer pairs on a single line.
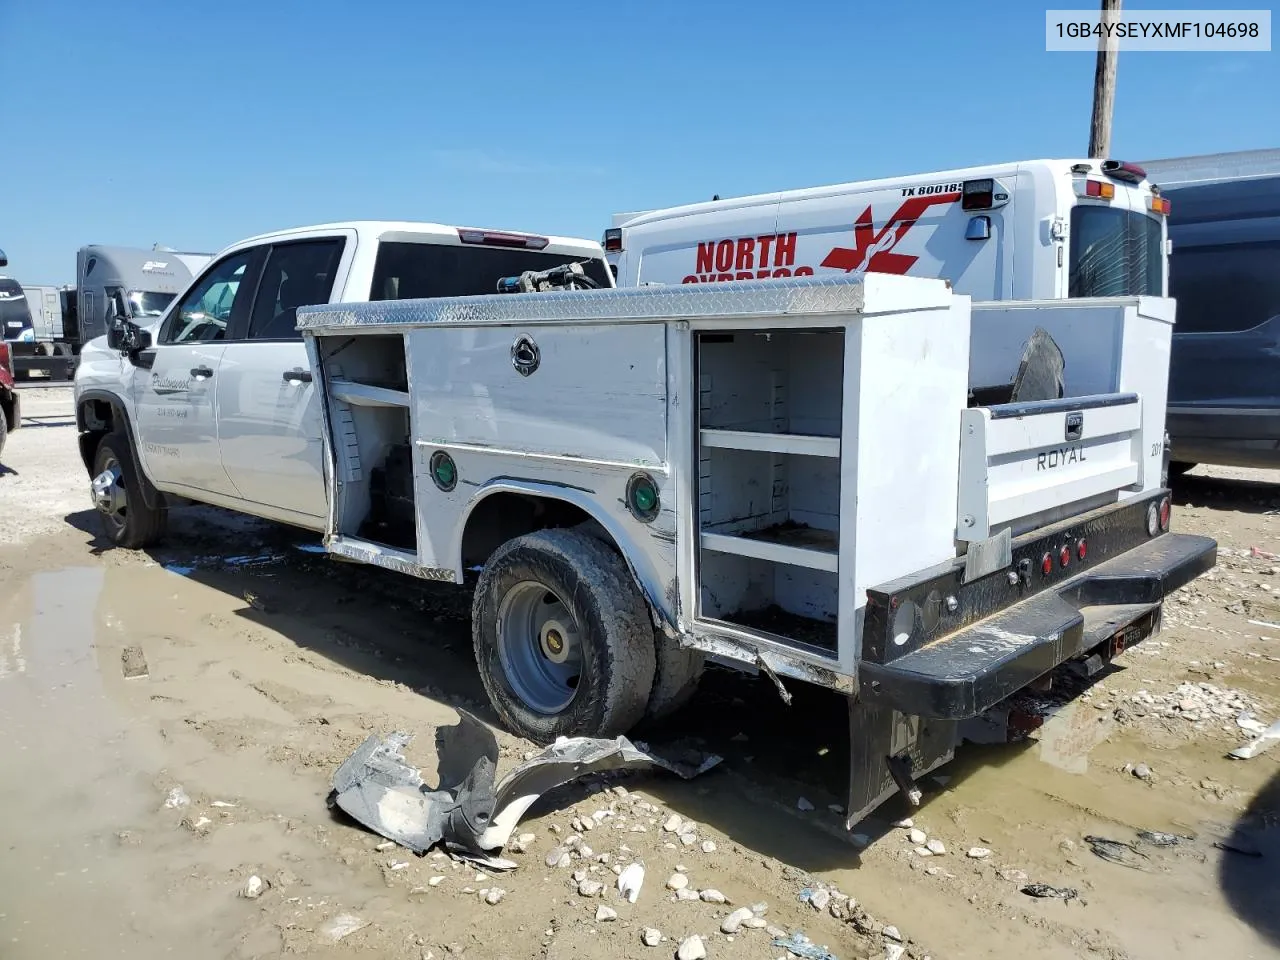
[[539, 647], [109, 495]]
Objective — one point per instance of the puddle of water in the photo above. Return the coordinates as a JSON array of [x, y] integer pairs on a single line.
[[75, 775], [1070, 734]]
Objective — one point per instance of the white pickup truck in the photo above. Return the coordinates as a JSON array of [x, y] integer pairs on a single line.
[[213, 401]]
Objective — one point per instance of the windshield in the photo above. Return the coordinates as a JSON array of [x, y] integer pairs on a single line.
[[15, 315], [144, 303], [1115, 253], [408, 271]]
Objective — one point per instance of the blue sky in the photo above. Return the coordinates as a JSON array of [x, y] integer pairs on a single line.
[[195, 124]]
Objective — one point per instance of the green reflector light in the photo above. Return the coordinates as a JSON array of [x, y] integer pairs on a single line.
[[443, 470], [642, 497]]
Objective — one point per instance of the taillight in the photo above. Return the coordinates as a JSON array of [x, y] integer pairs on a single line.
[[495, 238], [977, 194], [1064, 555], [1160, 205], [1082, 549], [1097, 188], [613, 240], [1046, 564], [1166, 512], [1119, 170]]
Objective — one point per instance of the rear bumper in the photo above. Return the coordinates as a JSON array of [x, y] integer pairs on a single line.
[[971, 670]]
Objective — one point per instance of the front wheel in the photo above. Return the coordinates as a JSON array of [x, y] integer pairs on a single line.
[[117, 493], [563, 638]]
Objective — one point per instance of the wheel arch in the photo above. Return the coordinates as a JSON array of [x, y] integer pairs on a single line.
[[514, 504], [100, 413]]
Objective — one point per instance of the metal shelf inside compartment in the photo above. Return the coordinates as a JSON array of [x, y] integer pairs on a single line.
[[789, 543]]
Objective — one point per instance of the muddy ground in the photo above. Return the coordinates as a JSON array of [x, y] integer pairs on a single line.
[[266, 665]]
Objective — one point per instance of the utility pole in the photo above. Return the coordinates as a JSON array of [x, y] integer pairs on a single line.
[[1104, 85]]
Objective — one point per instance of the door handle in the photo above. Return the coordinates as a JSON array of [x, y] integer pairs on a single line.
[[201, 373], [297, 376]]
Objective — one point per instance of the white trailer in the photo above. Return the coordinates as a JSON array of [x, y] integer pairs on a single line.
[[795, 476]]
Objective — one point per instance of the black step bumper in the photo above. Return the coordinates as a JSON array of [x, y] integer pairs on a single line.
[[971, 670]]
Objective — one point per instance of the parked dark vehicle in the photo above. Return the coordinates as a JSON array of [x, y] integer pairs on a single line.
[[10, 401], [1224, 271]]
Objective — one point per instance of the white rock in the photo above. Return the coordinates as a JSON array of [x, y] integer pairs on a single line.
[[673, 824], [804, 804], [630, 881], [894, 951], [936, 847], [343, 925], [708, 846], [385, 845], [923, 852], [177, 797], [590, 888], [819, 899], [435, 881], [891, 933], [555, 855], [579, 876], [585, 851], [691, 949], [650, 936], [906, 823], [978, 853], [918, 837], [776, 933], [686, 894], [712, 895], [677, 881], [606, 914], [733, 922], [494, 896], [526, 838], [688, 839], [755, 923], [254, 887]]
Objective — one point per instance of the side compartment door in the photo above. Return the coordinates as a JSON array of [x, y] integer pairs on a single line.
[[174, 381], [268, 410]]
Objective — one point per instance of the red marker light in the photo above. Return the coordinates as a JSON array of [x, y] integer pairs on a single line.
[[1082, 549], [1046, 565], [1165, 511], [1064, 555]]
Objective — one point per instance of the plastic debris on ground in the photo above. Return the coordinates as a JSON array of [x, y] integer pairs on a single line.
[[1116, 851], [798, 945], [1044, 891], [471, 814], [1158, 839]]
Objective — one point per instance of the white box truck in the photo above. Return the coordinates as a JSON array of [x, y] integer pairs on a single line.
[[1031, 230]]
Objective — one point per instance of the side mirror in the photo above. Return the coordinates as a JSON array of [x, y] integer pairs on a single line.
[[115, 331]]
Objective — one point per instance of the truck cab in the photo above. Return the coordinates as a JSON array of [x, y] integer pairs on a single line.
[[211, 400], [1032, 230]]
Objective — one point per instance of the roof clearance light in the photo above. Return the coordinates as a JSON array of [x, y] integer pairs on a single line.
[[977, 194], [613, 239], [494, 238], [1160, 205], [1099, 189], [1119, 170]]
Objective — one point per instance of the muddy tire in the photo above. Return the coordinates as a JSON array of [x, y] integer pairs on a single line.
[[563, 638], [676, 676], [126, 519]]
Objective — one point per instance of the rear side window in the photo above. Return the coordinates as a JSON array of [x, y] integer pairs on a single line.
[[1114, 253], [410, 271], [296, 275], [1225, 288]]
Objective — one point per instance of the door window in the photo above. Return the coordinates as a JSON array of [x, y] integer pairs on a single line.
[[296, 275], [205, 312]]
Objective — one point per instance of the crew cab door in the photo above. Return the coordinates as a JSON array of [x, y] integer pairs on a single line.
[[268, 411], [174, 381]]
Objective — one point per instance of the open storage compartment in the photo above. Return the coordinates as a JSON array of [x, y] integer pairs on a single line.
[[768, 487], [369, 402]]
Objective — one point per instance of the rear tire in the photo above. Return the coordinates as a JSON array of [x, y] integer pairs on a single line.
[[676, 677], [563, 638], [126, 519]]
